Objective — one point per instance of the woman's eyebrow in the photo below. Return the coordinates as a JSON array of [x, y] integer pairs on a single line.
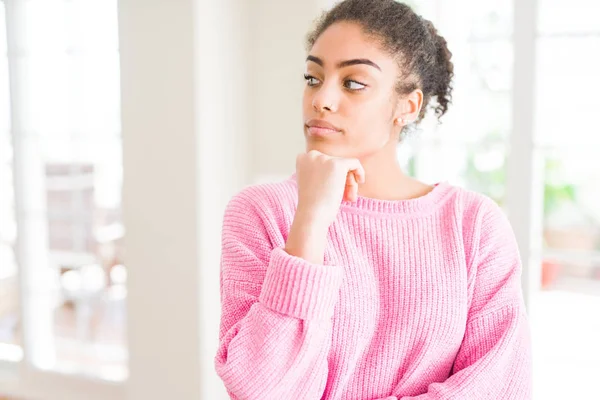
[[346, 63]]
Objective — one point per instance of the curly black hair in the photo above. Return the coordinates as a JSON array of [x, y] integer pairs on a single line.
[[422, 54]]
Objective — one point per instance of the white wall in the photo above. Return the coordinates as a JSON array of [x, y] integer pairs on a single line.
[[249, 60], [211, 102], [277, 33], [222, 151], [160, 199]]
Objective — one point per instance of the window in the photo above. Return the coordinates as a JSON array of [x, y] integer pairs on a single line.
[[471, 149], [565, 139], [65, 131]]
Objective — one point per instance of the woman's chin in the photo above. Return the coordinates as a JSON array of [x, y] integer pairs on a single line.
[[322, 146], [331, 149]]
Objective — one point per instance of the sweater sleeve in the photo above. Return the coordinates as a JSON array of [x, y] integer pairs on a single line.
[[494, 360], [276, 309]]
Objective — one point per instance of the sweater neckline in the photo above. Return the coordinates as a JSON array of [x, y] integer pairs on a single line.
[[418, 205]]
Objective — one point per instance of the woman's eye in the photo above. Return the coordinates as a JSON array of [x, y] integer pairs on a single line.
[[311, 80], [354, 85]]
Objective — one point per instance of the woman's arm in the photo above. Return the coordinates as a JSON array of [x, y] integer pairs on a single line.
[[276, 312], [494, 360]]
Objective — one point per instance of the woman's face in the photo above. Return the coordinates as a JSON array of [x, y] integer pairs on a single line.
[[350, 88]]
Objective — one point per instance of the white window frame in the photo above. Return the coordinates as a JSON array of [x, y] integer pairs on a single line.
[[524, 191]]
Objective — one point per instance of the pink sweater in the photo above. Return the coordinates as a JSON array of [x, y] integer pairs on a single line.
[[417, 299]]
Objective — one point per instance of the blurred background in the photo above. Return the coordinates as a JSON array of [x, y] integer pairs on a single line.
[[125, 126]]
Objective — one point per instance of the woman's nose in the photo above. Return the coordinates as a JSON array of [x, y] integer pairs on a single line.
[[324, 100]]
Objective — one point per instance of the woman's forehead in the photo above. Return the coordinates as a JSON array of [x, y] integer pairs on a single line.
[[346, 41]]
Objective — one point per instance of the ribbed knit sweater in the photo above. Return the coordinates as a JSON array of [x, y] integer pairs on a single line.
[[416, 299]]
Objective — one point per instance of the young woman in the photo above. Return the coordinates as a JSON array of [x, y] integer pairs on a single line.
[[351, 280]]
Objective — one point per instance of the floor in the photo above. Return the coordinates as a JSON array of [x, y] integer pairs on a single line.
[[566, 345]]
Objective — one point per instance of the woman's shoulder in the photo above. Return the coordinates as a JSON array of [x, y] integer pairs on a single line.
[[255, 220], [478, 214], [480, 222], [473, 212], [271, 198], [471, 203]]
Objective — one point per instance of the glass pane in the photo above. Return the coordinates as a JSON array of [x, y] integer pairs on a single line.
[[78, 302], [4, 87], [94, 108], [92, 25], [468, 148], [9, 288], [472, 18], [479, 167], [4, 98], [572, 220], [3, 30], [569, 271], [44, 23], [564, 335], [489, 18], [45, 89], [425, 8], [567, 83], [483, 96], [71, 172], [481, 100], [568, 16], [71, 95]]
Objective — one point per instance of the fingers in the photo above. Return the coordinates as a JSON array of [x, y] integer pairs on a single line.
[[350, 168], [351, 189], [353, 165], [345, 164]]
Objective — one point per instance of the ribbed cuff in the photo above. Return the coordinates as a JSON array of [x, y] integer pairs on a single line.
[[296, 287]]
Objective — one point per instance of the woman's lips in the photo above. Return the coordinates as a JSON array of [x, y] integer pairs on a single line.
[[320, 127], [321, 131]]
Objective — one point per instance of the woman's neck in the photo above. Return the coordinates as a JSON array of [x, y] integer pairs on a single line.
[[385, 179]]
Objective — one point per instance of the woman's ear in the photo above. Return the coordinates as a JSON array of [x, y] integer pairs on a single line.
[[408, 108]]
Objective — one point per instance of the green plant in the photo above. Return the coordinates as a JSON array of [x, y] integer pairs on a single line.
[[489, 181], [556, 190]]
